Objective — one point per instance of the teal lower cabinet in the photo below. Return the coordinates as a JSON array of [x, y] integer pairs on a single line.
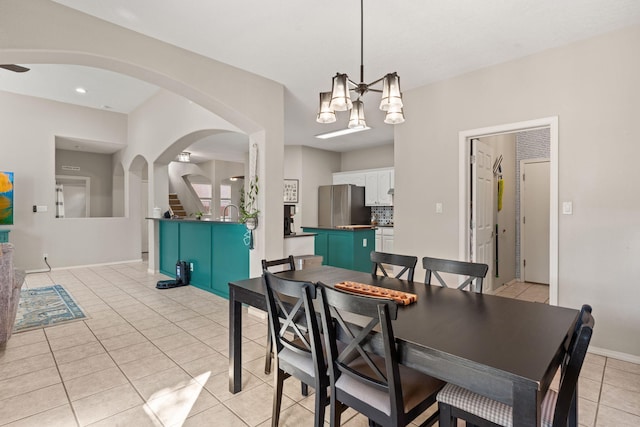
[[4, 236], [349, 249], [215, 249]]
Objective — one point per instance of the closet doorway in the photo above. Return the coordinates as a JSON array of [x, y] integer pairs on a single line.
[[467, 226]]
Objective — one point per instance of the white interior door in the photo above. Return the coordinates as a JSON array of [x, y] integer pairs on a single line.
[[482, 208], [534, 208]]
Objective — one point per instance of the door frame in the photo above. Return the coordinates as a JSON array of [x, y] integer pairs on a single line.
[[86, 181], [464, 138]]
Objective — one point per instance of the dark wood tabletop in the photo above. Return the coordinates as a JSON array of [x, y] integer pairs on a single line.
[[503, 348]]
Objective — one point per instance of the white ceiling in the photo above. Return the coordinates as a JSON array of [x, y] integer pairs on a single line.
[[302, 44]]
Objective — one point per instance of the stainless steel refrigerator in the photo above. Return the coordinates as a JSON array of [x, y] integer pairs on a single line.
[[342, 205]]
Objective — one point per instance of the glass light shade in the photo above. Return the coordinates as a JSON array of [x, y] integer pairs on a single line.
[[356, 120], [325, 113], [394, 116], [340, 98], [391, 96]]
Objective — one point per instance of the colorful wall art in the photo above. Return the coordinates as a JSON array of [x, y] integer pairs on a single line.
[[6, 198]]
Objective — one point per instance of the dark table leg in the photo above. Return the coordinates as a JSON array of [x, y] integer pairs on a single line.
[[527, 411], [235, 342]]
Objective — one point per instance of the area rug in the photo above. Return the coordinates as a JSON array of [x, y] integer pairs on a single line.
[[40, 307]]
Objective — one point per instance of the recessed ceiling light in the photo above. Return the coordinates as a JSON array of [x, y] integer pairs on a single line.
[[81, 90], [342, 132]]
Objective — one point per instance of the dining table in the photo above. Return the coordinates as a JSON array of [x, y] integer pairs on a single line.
[[508, 350]]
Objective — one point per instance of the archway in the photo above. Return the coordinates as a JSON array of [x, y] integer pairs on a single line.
[[140, 206], [253, 104]]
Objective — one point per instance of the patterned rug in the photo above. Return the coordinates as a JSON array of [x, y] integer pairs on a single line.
[[40, 307]]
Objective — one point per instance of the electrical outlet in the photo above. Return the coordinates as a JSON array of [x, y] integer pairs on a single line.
[[364, 243], [45, 255], [191, 266]]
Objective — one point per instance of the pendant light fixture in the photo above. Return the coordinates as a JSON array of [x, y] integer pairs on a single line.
[[185, 157], [339, 99]]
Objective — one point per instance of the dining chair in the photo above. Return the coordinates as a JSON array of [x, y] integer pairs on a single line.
[[458, 403], [296, 340], [377, 386], [407, 262], [472, 271], [284, 264]]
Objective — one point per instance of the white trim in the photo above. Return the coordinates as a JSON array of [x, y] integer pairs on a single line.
[[46, 270], [625, 357], [463, 189]]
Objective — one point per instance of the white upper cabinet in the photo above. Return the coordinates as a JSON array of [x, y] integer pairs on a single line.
[[355, 178], [376, 182], [371, 189]]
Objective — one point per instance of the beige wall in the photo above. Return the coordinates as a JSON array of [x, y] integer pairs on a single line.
[[312, 167], [27, 146], [97, 167], [318, 167], [368, 158], [593, 88]]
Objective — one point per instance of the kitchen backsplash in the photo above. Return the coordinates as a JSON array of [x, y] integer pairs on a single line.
[[384, 214]]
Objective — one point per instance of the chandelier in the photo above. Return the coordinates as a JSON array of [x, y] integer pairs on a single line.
[[185, 157], [339, 99]]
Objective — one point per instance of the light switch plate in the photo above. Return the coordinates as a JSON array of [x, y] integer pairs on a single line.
[[438, 207], [567, 208]]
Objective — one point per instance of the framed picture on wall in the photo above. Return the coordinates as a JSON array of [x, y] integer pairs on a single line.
[[6, 198], [291, 191]]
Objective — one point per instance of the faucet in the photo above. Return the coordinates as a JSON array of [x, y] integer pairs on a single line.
[[224, 212]]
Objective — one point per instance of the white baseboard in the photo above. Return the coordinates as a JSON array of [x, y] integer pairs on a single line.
[[46, 270], [626, 357]]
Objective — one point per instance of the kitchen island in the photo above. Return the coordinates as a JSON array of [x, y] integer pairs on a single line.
[[218, 251], [346, 246]]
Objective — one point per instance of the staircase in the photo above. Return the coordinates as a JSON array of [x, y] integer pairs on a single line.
[[176, 207]]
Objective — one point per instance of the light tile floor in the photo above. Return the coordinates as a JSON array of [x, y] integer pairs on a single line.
[[149, 357]]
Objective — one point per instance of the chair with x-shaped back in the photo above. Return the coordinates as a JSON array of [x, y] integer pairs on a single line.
[[296, 340], [380, 259], [275, 266], [473, 272], [375, 385]]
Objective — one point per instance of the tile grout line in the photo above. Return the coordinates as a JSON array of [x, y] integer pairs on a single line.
[[109, 355], [604, 368], [152, 343], [55, 360]]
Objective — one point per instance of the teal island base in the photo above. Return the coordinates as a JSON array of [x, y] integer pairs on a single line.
[[216, 250], [345, 248]]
